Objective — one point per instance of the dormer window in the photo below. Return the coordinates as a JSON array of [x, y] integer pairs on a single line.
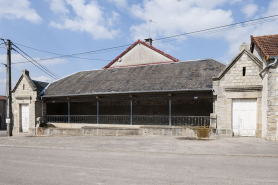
[[243, 71]]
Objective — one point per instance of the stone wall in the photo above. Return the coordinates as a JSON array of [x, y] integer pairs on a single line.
[[25, 95], [233, 85], [272, 111]]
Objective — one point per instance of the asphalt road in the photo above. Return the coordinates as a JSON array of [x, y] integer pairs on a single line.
[[137, 160]]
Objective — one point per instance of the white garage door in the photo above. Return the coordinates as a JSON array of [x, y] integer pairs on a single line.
[[25, 117], [244, 117]]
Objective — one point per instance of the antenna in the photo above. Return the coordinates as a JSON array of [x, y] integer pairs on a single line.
[[150, 27]]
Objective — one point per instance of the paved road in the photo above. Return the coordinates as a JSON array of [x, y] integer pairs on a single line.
[[137, 160], [3, 133]]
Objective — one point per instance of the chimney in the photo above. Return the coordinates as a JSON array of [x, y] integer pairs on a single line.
[[149, 41], [26, 72], [243, 46]]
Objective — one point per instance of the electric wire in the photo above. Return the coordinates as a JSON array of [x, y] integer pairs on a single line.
[[57, 53], [35, 64], [218, 27], [164, 39], [48, 70], [219, 30]]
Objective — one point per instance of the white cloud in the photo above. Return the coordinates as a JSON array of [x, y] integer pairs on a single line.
[[177, 17], [272, 8], [58, 6], [120, 3], [52, 62], [18, 9], [88, 18], [249, 10]]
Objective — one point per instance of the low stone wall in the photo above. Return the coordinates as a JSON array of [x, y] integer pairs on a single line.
[[127, 130]]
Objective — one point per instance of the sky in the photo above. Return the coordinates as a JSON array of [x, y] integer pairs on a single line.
[[66, 27]]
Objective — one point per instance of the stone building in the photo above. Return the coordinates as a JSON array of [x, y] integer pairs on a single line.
[[142, 86], [2, 113], [26, 104], [239, 96], [247, 91], [266, 49]]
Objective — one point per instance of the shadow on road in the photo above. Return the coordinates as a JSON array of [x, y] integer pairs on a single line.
[[3, 133]]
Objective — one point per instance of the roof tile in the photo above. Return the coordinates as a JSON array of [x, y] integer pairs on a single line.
[[267, 44]]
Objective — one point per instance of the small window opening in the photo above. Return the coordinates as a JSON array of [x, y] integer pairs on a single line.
[[243, 71], [23, 86]]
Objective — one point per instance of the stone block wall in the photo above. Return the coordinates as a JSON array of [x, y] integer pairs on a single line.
[[24, 95], [234, 77], [272, 111], [235, 81]]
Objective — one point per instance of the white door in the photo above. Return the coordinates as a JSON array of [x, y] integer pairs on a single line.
[[244, 117], [25, 117]]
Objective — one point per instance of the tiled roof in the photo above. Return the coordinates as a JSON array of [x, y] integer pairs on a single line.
[[267, 44], [175, 76], [2, 98], [144, 43]]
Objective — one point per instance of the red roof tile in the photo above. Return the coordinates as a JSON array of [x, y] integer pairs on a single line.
[[2, 98], [267, 44], [144, 43]]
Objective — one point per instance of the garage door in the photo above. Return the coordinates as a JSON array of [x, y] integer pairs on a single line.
[[244, 117], [25, 117]]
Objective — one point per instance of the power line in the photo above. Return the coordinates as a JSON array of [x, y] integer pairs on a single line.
[[58, 54], [38, 62], [218, 27], [36, 65], [204, 31], [222, 29]]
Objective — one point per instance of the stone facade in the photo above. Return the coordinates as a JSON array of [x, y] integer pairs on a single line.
[[239, 80], [269, 98], [270, 131], [25, 93]]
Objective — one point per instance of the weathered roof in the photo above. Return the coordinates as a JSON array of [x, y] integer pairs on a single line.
[[40, 85], [176, 76], [2, 98], [267, 44], [147, 45]]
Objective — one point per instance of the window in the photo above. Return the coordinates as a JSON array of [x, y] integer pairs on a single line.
[[23, 86], [243, 71]]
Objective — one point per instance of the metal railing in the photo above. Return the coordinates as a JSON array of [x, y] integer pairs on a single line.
[[150, 120], [114, 119], [194, 121], [83, 119], [56, 118]]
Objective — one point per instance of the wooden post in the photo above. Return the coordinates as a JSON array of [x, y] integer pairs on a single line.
[[9, 94], [68, 112], [170, 112], [97, 112], [130, 112]]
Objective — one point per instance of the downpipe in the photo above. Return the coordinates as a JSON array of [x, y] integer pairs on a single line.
[[269, 65]]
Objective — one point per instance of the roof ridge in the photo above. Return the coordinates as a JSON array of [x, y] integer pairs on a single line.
[[145, 44]]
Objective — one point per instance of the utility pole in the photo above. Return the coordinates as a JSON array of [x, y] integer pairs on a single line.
[[9, 93]]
